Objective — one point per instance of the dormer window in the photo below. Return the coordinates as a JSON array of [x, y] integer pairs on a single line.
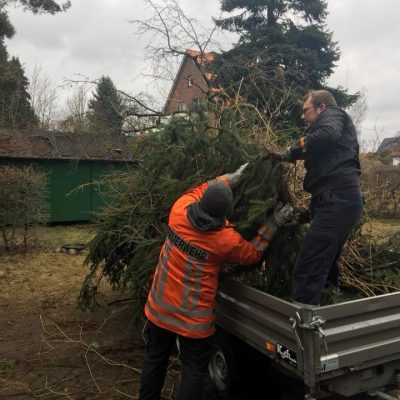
[[190, 81]]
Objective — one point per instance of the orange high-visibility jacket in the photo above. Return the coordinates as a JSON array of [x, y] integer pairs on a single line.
[[185, 283]]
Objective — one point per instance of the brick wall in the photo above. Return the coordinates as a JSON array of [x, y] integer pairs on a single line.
[[182, 94]]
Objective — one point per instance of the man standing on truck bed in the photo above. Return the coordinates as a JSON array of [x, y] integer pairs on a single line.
[[182, 296], [331, 153]]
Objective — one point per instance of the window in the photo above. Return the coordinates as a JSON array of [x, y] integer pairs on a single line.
[[182, 106], [195, 103], [190, 81]]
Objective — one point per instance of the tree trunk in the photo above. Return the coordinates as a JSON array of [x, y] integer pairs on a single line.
[[26, 228], [5, 239]]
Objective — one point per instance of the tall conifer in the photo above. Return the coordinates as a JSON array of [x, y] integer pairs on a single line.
[[16, 111], [15, 108], [284, 49], [106, 108]]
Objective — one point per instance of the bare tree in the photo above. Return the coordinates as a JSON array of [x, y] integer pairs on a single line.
[[75, 115], [170, 33], [43, 98], [77, 106], [359, 110]]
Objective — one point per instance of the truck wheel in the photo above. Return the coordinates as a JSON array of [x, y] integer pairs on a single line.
[[222, 365]]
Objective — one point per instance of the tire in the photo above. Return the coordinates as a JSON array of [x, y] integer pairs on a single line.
[[222, 366]]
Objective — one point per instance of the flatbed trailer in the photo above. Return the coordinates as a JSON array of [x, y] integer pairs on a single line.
[[345, 349]]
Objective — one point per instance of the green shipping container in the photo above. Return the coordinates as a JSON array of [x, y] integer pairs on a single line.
[[75, 192], [74, 164]]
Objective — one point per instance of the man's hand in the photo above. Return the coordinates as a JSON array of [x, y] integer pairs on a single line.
[[287, 154], [294, 152], [283, 214], [303, 214]]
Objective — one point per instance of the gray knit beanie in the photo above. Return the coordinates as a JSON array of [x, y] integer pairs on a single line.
[[216, 200]]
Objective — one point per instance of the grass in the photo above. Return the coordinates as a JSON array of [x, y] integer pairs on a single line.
[[52, 236], [57, 235], [6, 368], [381, 228]]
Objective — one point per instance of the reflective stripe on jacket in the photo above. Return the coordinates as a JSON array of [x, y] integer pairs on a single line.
[[185, 283]]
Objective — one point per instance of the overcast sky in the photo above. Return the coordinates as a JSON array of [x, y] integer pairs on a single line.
[[95, 38]]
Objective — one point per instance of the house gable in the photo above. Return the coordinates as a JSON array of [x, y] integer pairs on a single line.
[[388, 145], [395, 154], [190, 83]]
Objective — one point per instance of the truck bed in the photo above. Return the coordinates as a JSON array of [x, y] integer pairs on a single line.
[[345, 348]]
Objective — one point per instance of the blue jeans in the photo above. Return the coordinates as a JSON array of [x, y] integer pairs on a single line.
[[334, 215], [194, 355]]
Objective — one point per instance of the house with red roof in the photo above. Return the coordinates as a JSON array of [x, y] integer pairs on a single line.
[[192, 82]]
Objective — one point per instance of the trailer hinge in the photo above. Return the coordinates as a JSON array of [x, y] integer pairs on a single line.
[[315, 325], [295, 322]]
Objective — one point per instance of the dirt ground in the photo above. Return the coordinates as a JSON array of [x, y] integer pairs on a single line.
[[51, 350], [48, 348]]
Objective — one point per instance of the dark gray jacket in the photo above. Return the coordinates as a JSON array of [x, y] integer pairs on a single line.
[[331, 155]]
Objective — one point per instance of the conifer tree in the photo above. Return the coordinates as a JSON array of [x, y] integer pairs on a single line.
[[284, 49], [16, 111], [38, 6], [15, 107], [106, 108], [182, 153], [186, 151], [6, 28]]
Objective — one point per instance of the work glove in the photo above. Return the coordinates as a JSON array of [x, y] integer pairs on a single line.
[[234, 177], [294, 152], [282, 215], [303, 214], [230, 179]]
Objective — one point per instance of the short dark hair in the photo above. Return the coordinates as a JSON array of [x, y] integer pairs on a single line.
[[319, 97]]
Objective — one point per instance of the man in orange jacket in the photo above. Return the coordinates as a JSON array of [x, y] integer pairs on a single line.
[[182, 296]]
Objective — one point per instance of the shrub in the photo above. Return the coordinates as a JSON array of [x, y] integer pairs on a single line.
[[381, 188], [23, 192]]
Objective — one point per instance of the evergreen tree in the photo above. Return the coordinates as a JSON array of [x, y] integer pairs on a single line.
[[283, 51], [16, 111], [106, 108], [6, 28], [15, 107], [35, 6], [184, 152], [38, 6]]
